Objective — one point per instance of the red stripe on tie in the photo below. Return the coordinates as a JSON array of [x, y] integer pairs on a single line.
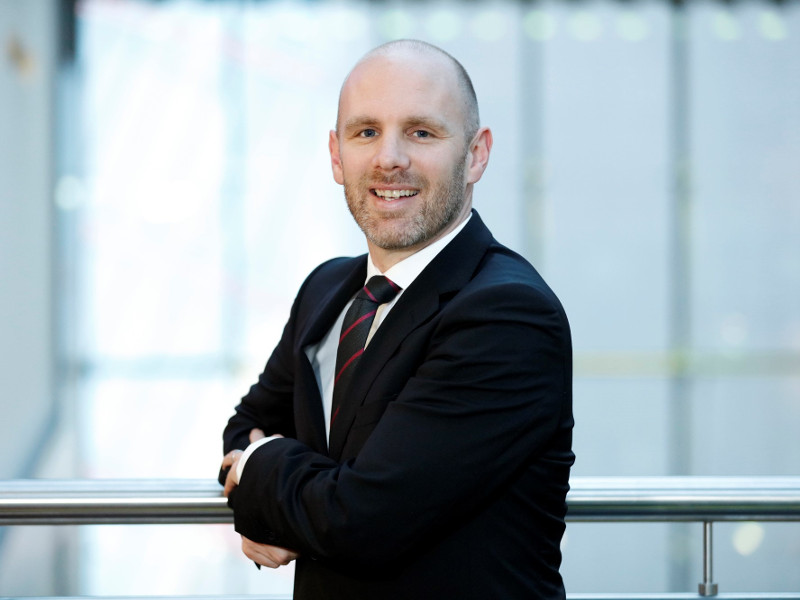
[[393, 284], [347, 364], [373, 298], [336, 412], [349, 329]]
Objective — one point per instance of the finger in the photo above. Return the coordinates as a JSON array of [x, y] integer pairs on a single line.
[[260, 559], [266, 554], [230, 458], [279, 555], [286, 556], [256, 434], [230, 482], [256, 553]]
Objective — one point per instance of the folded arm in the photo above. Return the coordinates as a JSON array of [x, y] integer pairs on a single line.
[[488, 398]]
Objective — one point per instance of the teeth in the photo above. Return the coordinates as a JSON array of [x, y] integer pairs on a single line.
[[394, 194]]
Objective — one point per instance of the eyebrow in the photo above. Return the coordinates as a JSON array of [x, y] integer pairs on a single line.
[[413, 121], [357, 122], [431, 122]]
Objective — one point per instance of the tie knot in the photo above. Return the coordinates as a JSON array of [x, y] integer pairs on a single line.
[[379, 289]]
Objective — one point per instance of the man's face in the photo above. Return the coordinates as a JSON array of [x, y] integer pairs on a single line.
[[401, 151]]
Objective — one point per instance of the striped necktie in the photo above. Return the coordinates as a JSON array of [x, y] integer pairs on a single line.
[[355, 329]]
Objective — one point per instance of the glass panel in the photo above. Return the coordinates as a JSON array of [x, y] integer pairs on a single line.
[[206, 197]]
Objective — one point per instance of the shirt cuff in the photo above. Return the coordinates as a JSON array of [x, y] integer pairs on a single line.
[[248, 452]]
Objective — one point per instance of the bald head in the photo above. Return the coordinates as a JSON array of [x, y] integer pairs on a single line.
[[411, 51]]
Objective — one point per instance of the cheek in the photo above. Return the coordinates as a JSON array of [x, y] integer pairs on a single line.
[[445, 171], [353, 166]]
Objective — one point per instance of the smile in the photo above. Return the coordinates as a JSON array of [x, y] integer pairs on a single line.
[[394, 194]]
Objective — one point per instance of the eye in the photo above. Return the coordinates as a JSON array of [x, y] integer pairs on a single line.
[[421, 134], [368, 133]]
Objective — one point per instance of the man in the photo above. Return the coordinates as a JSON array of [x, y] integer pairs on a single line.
[[439, 469]]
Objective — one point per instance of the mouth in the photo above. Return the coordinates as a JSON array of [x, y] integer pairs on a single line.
[[391, 195]]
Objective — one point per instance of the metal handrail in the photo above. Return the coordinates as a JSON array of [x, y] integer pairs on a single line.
[[570, 596], [699, 499], [135, 501], [684, 499], [112, 501]]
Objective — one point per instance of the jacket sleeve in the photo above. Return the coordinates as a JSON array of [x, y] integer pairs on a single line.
[[488, 398]]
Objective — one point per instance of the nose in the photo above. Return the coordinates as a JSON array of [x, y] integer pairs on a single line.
[[391, 153]]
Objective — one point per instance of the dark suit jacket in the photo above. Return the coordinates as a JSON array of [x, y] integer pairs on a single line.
[[447, 472]]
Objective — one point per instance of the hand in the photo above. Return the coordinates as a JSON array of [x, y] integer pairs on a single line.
[[231, 460], [266, 555]]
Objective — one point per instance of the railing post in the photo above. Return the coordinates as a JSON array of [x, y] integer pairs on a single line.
[[708, 587]]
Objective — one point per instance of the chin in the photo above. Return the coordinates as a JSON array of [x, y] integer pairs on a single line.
[[392, 238]]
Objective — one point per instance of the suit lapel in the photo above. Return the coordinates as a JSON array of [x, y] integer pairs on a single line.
[[447, 273], [330, 304]]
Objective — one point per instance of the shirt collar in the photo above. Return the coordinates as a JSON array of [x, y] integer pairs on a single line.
[[406, 271]]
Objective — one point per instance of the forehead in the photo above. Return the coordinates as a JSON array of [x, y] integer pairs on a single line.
[[397, 87]]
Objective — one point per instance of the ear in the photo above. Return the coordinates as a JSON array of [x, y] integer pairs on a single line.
[[336, 160], [478, 156]]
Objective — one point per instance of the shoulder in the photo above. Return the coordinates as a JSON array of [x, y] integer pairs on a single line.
[[331, 282], [509, 278], [506, 297], [334, 271], [337, 267]]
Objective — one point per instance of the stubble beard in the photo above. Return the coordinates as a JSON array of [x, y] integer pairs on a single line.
[[398, 231]]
